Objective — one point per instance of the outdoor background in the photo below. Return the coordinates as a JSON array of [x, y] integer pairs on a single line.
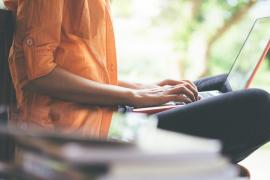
[[187, 39], [184, 39]]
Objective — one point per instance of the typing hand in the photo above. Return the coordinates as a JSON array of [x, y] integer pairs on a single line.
[[163, 94], [190, 85]]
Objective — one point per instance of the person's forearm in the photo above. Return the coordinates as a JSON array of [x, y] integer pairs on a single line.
[[68, 86]]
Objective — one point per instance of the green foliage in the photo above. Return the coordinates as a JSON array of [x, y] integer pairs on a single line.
[[210, 15], [193, 22]]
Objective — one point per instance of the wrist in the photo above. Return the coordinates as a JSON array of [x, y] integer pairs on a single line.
[[136, 98], [130, 97]]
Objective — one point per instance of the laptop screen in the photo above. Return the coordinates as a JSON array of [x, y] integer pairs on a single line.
[[251, 55]]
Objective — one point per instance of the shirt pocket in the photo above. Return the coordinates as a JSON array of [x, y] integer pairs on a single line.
[[29, 53], [39, 59]]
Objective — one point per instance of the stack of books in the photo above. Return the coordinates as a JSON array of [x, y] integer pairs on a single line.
[[156, 154]]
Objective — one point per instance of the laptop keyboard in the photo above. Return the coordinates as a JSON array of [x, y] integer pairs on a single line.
[[207, 94]]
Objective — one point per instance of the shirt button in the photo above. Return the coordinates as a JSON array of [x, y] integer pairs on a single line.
[[29, 42]]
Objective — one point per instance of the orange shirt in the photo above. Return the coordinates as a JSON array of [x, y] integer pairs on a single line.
[[76, 35]]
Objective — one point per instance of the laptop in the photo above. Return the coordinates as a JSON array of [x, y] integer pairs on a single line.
[[249, 58], [244, 68]]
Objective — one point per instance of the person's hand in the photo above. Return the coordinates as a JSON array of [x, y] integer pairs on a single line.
[[167, 82], [190, 85], [156, 96]]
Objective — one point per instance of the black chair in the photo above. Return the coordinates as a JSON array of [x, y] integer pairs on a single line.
[[7, 94]]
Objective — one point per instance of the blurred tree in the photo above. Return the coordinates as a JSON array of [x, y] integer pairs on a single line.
[[198, 25], [236, 15]]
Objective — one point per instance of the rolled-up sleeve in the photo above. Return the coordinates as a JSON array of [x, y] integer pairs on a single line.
[[39, 29]]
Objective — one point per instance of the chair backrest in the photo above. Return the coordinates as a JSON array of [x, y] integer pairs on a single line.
[[7, 95]]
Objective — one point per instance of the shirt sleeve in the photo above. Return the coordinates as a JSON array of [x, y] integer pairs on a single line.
[[39, 28]]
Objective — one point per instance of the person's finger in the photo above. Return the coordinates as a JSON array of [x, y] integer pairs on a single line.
[[155, 90], [176, 98], [163, 83], [160, 99], [160, 89], [170, 82], [192, 84], [194, 90], [173, 82], [190, 92], [189, 87], [182, 98], [176, 82], [182, 90]]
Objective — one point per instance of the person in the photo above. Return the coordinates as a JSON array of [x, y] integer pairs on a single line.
[[64, 69]]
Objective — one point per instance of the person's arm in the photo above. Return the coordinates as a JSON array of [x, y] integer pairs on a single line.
[[67, 86]]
